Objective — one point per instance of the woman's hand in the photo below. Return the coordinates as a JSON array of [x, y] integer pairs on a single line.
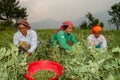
[[28, 54], [92, 43]]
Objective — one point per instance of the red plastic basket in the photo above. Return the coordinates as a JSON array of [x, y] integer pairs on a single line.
[[33, 67]]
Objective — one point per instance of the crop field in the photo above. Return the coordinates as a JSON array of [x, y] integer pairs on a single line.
[[80, 64]]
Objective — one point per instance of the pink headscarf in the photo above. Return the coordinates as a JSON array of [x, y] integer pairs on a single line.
[[69, 23]]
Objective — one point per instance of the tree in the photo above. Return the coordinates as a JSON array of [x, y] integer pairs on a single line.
[[83, 25], [93, 21], [10, 9], [115, 15]]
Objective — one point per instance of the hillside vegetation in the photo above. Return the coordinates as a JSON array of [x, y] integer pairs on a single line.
[[81, 64]]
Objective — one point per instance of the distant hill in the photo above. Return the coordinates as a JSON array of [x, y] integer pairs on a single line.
[[46, 24], [50, 24], [53, 24]]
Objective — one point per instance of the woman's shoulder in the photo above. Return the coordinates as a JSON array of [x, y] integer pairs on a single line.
[[71, 33], [32, 31], [17, 33], [102, 36], [91, 35], [60, 32]]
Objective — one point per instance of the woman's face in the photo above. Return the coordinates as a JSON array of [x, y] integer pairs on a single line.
[[69, 29], [97, 34], [23, 29]]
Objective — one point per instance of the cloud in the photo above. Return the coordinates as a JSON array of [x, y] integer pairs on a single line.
[[64, 9], [23, 0]]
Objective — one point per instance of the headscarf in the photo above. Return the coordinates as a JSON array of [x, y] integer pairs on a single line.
[[96, 28], [24, 22], [68, 23]]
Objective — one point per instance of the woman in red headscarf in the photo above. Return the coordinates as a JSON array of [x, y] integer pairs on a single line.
[[96, 39], [64, 36]]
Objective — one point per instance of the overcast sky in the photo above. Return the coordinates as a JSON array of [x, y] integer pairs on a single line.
[[39, 10]]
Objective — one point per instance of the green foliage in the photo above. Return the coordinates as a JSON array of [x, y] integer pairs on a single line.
[[91, 22], [80, 64], [12, 64], [6, 37], [83, 25], [10, 9], [7, 25], [115, 15], [94, 64]]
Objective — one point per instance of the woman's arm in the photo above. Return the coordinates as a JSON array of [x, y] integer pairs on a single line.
[[15, 39], [62, 41], [33, 42], [104, 42], [73, 39]]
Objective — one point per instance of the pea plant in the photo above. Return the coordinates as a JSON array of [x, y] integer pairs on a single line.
[[12, 64], [79, 64]]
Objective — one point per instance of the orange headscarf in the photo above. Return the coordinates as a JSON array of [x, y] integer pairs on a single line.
[[96, 28]]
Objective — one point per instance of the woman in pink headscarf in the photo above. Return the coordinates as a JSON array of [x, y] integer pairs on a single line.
[[64, 36], [64, 23]]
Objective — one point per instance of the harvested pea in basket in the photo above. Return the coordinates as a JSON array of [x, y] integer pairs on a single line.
[[43, 75], [43, 70]]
